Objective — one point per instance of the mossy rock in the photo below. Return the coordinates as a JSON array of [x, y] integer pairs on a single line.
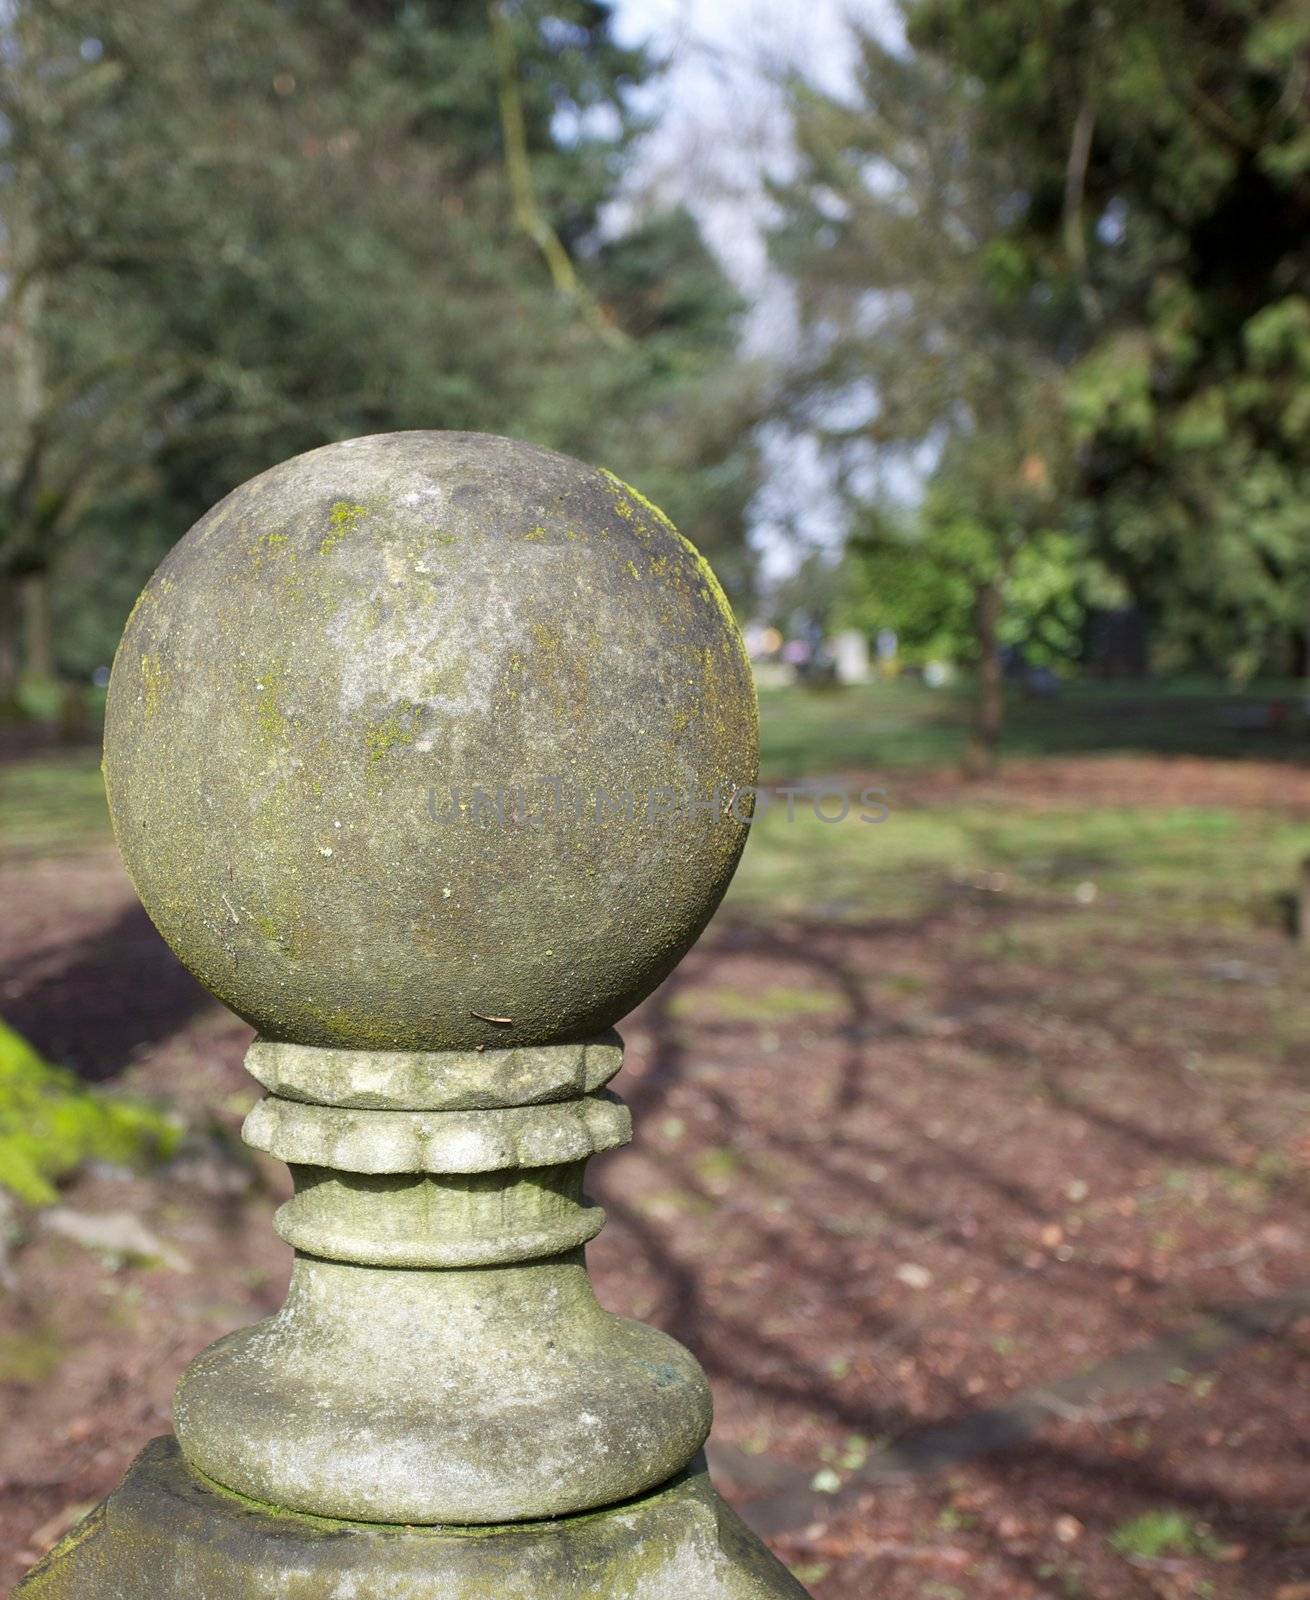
[[325, 670], [50, 1123]]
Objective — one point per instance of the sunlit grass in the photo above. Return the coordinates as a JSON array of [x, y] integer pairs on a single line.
[[1195, 865], [52, 803]]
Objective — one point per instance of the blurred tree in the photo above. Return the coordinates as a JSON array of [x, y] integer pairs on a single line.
[[804, 603], [918, 575], [235, 232], [1165, 208], [925, 335]]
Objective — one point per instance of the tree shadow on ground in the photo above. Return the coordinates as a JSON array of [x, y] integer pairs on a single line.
[[787, 1233], [118, 992]]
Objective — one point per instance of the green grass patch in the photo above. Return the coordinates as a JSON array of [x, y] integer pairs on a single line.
[[1157, 1534], [884, 726], [52, 804], [1109, 864], [772, 1003]]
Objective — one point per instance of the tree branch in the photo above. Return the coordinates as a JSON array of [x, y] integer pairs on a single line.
[[518, 168]]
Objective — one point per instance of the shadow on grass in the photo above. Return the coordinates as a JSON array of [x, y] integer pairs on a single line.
[[893, 725]]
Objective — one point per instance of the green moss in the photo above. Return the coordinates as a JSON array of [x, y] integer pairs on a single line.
[[268, 711], [398, 729], [1158, 1534], [343, 518], [535, 534], [627, 501], [638, 500], [50, 1123], [147, 595], [632, 568]]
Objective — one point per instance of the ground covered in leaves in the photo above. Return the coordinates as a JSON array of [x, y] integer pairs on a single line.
[[971, 1159]]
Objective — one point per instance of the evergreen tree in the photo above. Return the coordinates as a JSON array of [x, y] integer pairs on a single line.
[[236, 232], [922, 324], [1165, 210]]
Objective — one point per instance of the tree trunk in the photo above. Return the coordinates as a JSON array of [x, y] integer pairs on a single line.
[[989, 701], [8, 642], [38, 653], [1305, 669]]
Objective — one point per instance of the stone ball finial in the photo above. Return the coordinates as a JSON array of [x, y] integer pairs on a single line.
[[430, 741]]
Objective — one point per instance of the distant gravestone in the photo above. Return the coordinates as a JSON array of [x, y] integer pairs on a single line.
[[420, 752], [850, 654]]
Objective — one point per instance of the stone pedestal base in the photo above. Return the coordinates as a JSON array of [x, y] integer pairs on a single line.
[[170, 1534]]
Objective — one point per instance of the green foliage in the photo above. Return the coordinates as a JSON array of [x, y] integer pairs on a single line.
[[1163, 213], [920, 310], [897, 583], [38, 699], [50, 1123], [239, 232]]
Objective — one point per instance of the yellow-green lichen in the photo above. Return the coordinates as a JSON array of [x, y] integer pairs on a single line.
[[535, 533], [153, 679], [343, 518], [266, 545], [627, 500], [711, 582], [146, 597], [395, 731]]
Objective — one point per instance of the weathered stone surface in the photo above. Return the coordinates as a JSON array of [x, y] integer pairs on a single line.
[[438, 1141], [477, 1219], [485, 1395], [440, 1080], [168, 1535], [354, 634]]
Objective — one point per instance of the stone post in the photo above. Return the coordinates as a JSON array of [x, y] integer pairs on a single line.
[[425, 753]]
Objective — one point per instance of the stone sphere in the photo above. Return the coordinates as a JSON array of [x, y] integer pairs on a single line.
[[431, 741]]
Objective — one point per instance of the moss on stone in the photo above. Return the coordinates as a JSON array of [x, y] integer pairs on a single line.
[[287, 778], [395, 731], [50, 1123], [625, 492], [343, 518], [267, 544]]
